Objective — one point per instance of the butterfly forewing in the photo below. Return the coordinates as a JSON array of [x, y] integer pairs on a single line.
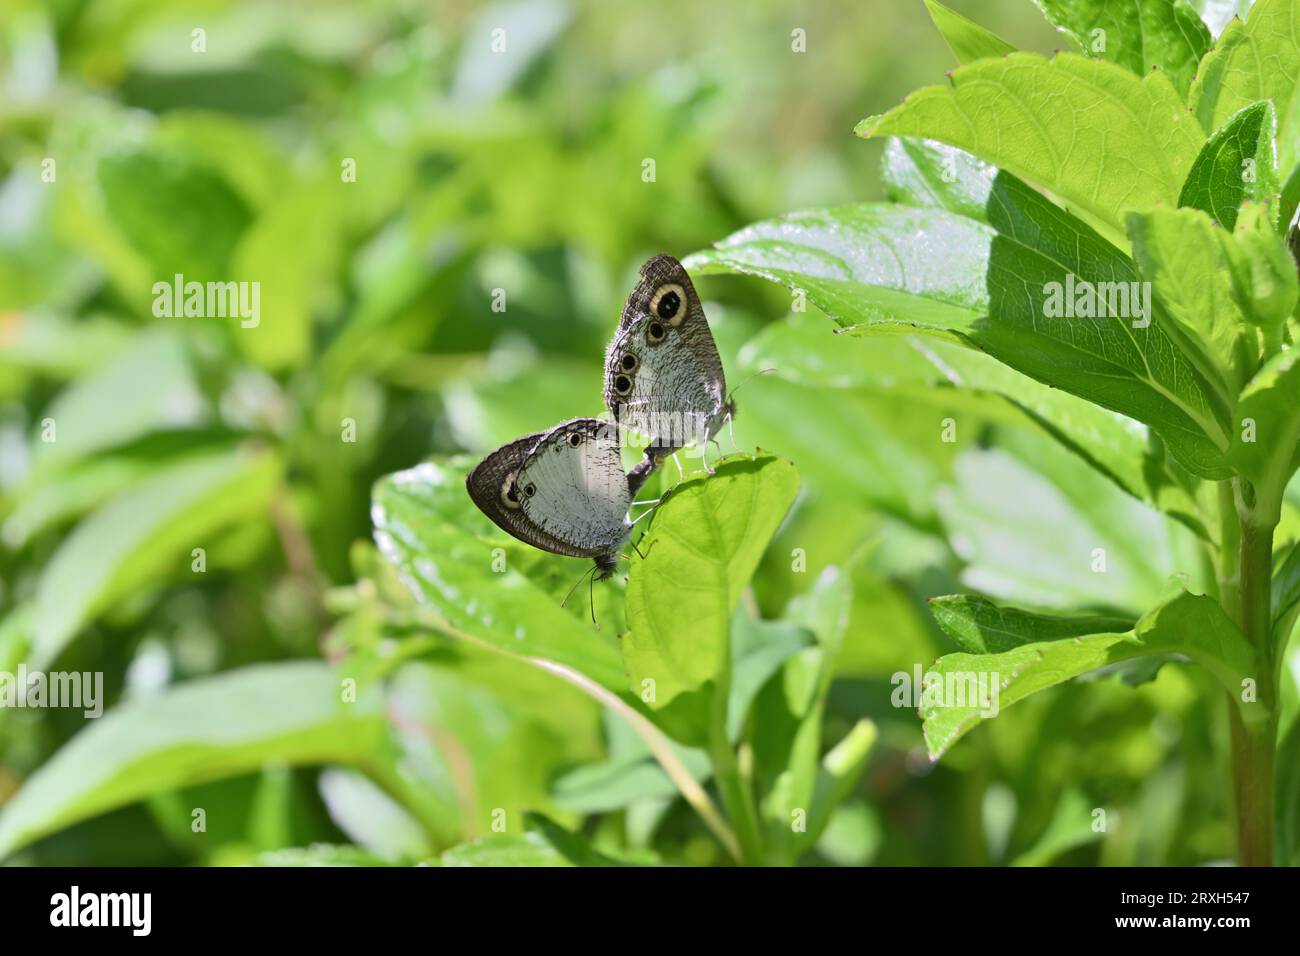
[[663, 375]]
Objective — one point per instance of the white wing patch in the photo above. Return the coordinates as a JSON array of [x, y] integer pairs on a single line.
[[579, 493]]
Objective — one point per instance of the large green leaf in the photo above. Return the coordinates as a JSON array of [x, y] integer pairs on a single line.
[[1090, 131], [205, 730], [704, 545], [888, 268], [151, 528], [1139, 35], [1188, 623], [1235, 164], [968, 40], [925, 173], [1066, 538], [1256, 59]]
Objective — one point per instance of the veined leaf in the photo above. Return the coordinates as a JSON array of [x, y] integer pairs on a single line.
[[1255, 59], [1191, 624], [1067, 538], [1180, 254], [968, 40], [887, 268], [138, 534], [1090, 131], [1139, 35], [981, 627], [205, 730], [704, 545], [1237, 163]]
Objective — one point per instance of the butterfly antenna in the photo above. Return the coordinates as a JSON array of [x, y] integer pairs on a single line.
[[762, 371], [591, 600], [590, 571]]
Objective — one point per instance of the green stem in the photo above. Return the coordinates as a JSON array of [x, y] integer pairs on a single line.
[[737, 797], [1245, 576]]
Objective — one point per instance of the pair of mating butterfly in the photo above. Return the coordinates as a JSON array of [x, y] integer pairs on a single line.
[[564, 490]]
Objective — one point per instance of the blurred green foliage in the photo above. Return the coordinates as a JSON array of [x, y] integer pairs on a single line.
[[477, 172]]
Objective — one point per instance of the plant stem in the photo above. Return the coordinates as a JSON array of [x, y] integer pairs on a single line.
[[737, 797], [1247, 569]]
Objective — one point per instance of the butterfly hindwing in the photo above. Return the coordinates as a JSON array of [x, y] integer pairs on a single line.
[[563, 490]]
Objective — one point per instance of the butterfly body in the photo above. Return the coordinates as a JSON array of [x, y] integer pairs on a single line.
[[562, 490]]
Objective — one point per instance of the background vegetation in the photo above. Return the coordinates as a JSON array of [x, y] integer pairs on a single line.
[[521, 172]]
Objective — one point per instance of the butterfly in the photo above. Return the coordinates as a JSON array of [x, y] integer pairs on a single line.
[[561, 490], [663, 376]]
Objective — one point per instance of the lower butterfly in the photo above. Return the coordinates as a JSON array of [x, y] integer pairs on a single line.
[[562, 490]]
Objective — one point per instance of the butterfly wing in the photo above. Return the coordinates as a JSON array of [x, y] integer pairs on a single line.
[[663, 375], [563, 490]]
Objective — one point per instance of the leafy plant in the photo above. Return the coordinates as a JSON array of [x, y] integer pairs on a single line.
[[1143, 174], [317, 652]]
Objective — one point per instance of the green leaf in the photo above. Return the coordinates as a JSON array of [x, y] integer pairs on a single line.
[[968, 40], [1180, 254], [1091, 132], [704, 546], [1071, 827], [1256, 59], [144, 191], [1139, 35], [319, 854], [922, 172], [544, 844], [143, 532], [878, 268], [204, 730], [616, 784], [147, 386], [1066, 539], [758, 650], [1263, 274], [1237, 163], [1264, 448], [1188, 623], [370, 817], [291, 252], [427, 527], [840, 771], [981, 627], [1115, 445]]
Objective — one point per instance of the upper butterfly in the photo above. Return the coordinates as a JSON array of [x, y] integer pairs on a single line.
[[663, 376], [561, 490]]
